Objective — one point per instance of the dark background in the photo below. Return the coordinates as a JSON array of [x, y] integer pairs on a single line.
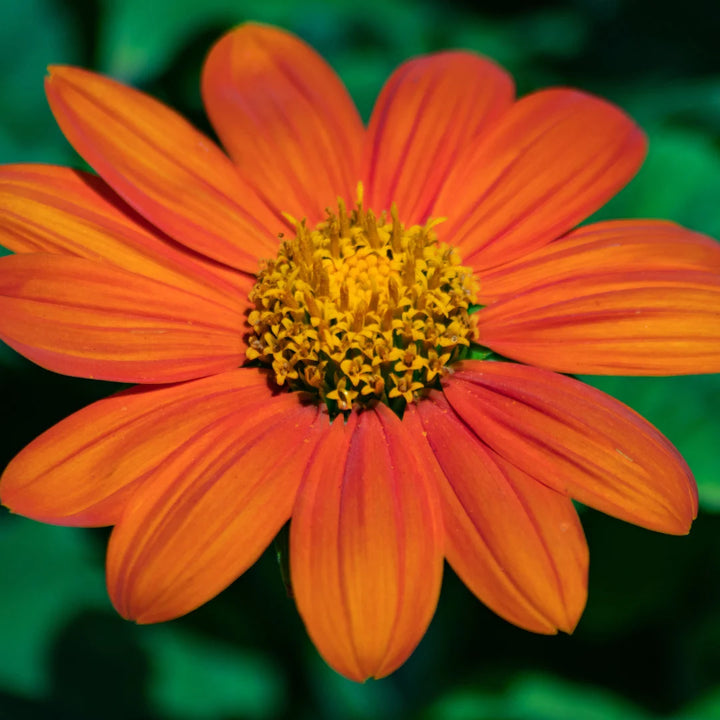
[[648, 645]]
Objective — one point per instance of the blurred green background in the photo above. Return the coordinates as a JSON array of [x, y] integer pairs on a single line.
[[648, 645]]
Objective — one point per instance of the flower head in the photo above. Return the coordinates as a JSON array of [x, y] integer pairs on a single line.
[[360, 330]]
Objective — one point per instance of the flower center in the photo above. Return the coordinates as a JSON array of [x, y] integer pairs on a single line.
[[361, 309]]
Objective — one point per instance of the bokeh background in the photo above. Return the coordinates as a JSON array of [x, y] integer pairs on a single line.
[[648, 645]]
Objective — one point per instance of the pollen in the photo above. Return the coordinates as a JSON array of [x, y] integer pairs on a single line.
[[361, 309]]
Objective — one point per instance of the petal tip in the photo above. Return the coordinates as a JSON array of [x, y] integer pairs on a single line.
[[61, 72], [679, 526]]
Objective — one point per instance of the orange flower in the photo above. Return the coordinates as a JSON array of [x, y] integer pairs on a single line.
[[334, 377]]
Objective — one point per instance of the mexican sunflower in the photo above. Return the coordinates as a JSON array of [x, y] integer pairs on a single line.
[[365, 331]]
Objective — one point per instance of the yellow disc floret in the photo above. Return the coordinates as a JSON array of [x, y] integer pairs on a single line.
[[361, 309]]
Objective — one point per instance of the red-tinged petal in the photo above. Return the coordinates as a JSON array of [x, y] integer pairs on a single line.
[[48, 209], [285, 117], [613, 246], [84, 318], [212, 507], [83, 470], [626, 322], [366, 545], [174, 176], [576, 440], [553, 159], [425, 116], [517, 544]]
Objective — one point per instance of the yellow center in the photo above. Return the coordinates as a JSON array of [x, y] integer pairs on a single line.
[[361, 309]]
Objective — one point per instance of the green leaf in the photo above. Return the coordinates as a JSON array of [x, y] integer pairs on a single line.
[[535, 697], [48, 575], [35, 33], [195, 678]]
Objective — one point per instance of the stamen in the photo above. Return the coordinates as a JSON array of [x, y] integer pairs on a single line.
[[361, 310]]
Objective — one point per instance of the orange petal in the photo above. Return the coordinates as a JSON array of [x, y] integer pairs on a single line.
[[425, 116], [618, 245], [621, 322], [517, 544], [285, 118], [84, 318], [83, 470], [366, 545], [47, 209], [553, 159], [576, 440], [211, 507], [163, 167]]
